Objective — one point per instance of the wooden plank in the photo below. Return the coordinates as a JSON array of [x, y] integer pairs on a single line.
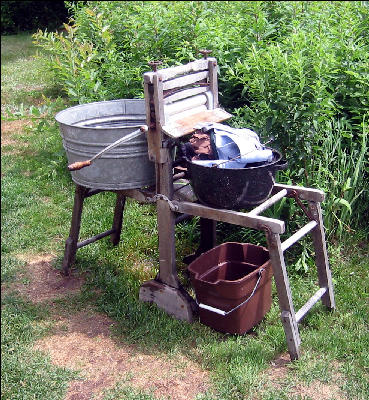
[[231, 217], [171, 72], [154, 95], [300, 314], [321, 257], [186, 114], [118, 218], [183, 105], [284, 294], [303, 192], [166, 224], [264, 206], [292, 335], [213, 82], [173, 301], [158, 101], [185, 80], [183, 126], [298, 235], [184, 93], [153, 138]]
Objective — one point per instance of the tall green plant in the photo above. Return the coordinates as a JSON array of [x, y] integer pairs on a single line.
[[297, 71]]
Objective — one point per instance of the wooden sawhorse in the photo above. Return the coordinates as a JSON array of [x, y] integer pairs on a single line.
[[177, 99]]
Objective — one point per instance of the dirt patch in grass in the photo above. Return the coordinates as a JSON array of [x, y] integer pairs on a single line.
[[11, 128], [9, 132], [82, 341], [277, 377], [40, 281]]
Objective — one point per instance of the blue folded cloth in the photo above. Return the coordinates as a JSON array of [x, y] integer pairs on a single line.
[[230, 143]]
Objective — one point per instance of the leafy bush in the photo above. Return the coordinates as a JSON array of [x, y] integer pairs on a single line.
[[297, 71]]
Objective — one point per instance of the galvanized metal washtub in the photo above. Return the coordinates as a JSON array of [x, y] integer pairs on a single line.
[[87, 129]]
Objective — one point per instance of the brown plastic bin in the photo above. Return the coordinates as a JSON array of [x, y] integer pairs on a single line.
[[232, 283]]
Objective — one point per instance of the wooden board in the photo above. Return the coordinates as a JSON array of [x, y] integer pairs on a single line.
[[231, 216], [183, 126]]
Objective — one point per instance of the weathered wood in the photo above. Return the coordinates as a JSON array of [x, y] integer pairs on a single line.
[[95, 238], [184, 94], [118, 218], [264, 206], [71, 242], [166, 225], [298, 235], [171, 72], [153, 137], [183, 126], [292, 335], [185, 80], [174, 301], [213, 82], [300, 314], [158, 102], [172, 120], [321, 256], [183, 105], [303, 192], [284, 293], [231, 217]]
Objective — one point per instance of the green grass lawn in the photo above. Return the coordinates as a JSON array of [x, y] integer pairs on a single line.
[[37, 199]]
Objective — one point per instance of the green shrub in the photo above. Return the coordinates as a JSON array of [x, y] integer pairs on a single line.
[[298, 71]]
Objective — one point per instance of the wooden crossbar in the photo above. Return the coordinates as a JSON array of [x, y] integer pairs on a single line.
[[264, 206], [95, 238], [231, 216], [298, 235], [300, 314]]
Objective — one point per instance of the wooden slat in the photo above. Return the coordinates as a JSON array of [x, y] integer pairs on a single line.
[[284, 294], [298, 235], [184, 93], [183, 105], [300, 314], [185, 80], [292, 335], [94, 238], [213, 82], [321, 256], [171, 72], [231, 217], [304, 193], [183, 126], [264, 206]]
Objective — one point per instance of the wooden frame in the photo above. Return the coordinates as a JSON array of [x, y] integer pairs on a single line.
[[177, 99]]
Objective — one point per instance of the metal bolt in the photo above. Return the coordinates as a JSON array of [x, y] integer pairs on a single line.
[[154, 64], [205, 53]]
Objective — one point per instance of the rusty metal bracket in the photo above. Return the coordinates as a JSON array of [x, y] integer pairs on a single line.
[[160, 196], [294, 194]]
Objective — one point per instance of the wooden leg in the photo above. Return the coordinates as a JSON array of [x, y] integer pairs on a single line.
[[167, 256], [321, 256], [166, 291], [118, 218], [71, 242], [284, 295], [208, 238]]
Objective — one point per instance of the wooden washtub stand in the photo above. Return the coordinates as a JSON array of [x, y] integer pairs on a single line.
[[176, 99]]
